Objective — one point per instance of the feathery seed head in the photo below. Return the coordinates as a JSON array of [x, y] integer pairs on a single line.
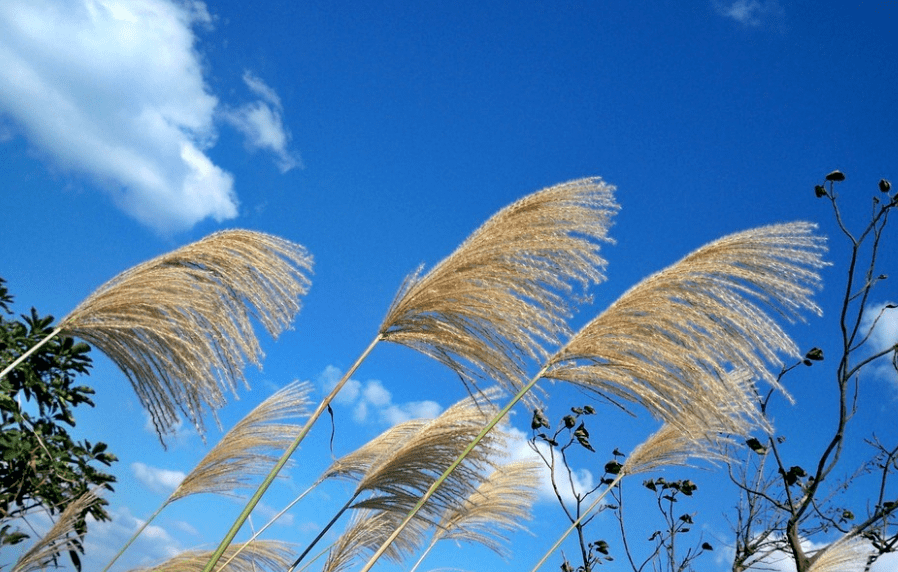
[[500, 505], [367, 531], [670, 343], [180, 325], [255, 556], [406, 469], [62, 536], [246, 450], [500, 298], [848, 554]]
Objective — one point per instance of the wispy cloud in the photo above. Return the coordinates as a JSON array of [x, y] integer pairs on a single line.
[[261, 123], [751, 13], [372, 401], [162, 481], [114, 89]]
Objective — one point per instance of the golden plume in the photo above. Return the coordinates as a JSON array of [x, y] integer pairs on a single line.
[[180, 325], [63, 536], [670, 343], [256, 556], [500, 298]]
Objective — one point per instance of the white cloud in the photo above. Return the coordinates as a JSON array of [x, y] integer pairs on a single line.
[[883, 336], [162, 481], [395, 414], [753, 13], [114, 89], [372, 400], [261, 123], [329, 378], [376, 394]]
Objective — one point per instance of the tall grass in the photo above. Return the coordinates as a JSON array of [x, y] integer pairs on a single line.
[[684, 344]]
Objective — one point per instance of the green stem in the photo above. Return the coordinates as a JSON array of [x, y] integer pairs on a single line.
[[257, 496], [489, 426], [28, 353], [269, 523], [574, 524]]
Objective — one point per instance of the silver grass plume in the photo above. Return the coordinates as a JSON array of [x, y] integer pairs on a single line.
[[354, 466], [394, 470], [245, 450], [367, 530], [499, 506], [670, 445], [180, 325], [500, 298], [669, 343], [401, 475], [255, 556], [848, 554], [695, 436], [62, 536], [497, 299]]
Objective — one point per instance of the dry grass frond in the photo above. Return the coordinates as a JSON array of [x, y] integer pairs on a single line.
[[668, 343], [848, 554], [500, 298], [367, 531], [399, 478], [500, 505], [61, 538], [355, 465], [669, 445], [244, 451], [253, 557], [180, 325]]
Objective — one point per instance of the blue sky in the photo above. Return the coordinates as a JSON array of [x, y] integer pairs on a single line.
[[379, 138]]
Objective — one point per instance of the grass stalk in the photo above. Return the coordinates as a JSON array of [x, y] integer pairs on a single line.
[[28, 353], [489, 427], [269, 523], [579, 519], [137, 533], [324, 531], [263, 487]]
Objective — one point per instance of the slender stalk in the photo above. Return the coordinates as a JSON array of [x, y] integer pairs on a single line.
[[269, 523], [263, 487], [323, 531], [28, 353], [489, 426], [424, 554], [134, 536], [574, 524]]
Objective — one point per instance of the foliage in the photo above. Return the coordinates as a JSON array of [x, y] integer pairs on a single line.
[[42, 468]]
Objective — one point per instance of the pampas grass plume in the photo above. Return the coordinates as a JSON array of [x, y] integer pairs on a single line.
[[180, 325]]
